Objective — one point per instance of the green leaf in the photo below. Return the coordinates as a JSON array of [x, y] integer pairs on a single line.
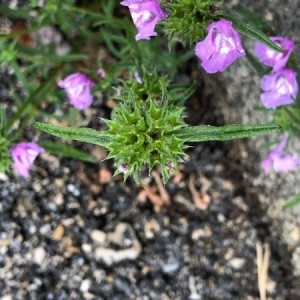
[[292, 202], [14, 13], [245, 29], [3, 119], [253, 18], [87, 135], [204, 133], [60, 149], [44, 56], [33, 100]]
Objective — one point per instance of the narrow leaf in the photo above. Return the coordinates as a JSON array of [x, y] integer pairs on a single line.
[[87, 135], [245, 29], [3, 119], [60, 149], [39, 55], [292, 202], [14, 13], [33, 99], [204, 133], [253, 18]]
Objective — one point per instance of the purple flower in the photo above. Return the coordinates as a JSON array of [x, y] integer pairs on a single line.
[[279, 88], [145, 15], [78, 88], [23, 155], [137, 77], [123, 168], [221, 47], [279, 161], [273, 58]]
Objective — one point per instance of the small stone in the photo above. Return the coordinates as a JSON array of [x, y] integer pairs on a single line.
[[68, 222], [39, 255], [229, 254], [171, 267], [85, 285], [59, 199], [98, 236], [99, 275], [221, 218], [296, 261], [58, 232], [104, 176], [6, 297], [269, 17], [87, 248], [201, 232], [151, 227], [3, 177], [292, 233], [45, 229], [236, 263], [73, 189]]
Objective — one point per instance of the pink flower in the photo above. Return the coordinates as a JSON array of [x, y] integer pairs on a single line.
[[145, 15], [78, 88], [273, 58], [279, 88], [279, 161], [23, 155], [221, 47]]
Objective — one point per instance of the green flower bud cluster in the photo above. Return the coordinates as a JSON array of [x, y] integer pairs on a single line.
[[189, 19], [142, 130]]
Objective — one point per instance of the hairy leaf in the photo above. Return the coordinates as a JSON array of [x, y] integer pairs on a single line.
[[87, 135], [204, 133]]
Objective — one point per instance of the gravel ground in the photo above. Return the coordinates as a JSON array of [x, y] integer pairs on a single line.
[[60, 240], [75, 232]]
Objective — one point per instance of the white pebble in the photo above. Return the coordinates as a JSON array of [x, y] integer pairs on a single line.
[[236, 263], [39, 255], [85, 285]]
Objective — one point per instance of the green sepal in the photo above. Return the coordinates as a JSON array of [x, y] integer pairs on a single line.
[[292, 202], [253, 33], [64, 150], [87, 135], [205, 133]]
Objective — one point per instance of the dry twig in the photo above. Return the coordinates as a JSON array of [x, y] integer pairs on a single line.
[[201, 199], [263, 260]]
